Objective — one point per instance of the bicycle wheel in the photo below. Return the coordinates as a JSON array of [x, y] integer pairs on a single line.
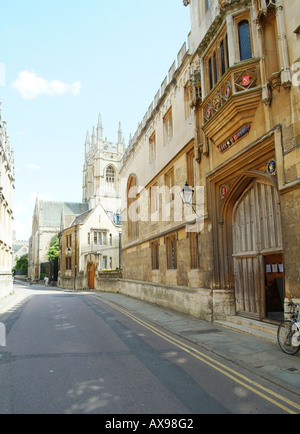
[[287, 338]]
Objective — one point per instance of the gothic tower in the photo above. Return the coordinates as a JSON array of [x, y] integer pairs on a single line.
[[101, 170]]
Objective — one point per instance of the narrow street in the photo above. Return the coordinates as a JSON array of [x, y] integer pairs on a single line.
[[70, 353]]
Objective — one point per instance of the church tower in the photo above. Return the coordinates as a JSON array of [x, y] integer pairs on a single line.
[[101, 170]]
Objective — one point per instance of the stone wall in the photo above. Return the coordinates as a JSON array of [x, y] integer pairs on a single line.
[[290, 209], [201, 303]]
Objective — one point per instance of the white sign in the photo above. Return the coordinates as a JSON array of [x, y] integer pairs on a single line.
[[2, 335]]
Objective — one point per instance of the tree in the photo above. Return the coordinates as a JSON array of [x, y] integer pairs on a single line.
[[53, 251], [21, 265]]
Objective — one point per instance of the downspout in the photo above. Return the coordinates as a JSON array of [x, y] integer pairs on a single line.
[[75, 271]]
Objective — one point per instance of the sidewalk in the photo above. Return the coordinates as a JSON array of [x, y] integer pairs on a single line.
[[12, 300], [254, 353], [258, 355]]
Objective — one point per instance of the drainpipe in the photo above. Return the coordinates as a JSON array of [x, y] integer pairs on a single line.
[[120, 251], [75, 271]]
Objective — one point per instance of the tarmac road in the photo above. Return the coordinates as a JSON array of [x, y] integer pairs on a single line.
[[88, 353]]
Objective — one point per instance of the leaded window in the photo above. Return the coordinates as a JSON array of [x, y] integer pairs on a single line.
[[244, 40], [110, 174]]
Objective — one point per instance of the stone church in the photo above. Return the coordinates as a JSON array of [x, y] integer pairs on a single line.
[[89, 231], [91, 242]]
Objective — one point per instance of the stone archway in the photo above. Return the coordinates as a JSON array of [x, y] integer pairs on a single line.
[[256, 235]]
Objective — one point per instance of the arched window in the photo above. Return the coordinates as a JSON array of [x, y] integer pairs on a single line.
[[222, 55], [132, 206], [110, 174], [210, 74], [215, 68], [244, 40]]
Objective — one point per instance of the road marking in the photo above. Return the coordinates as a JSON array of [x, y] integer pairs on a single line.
[[228, 372]]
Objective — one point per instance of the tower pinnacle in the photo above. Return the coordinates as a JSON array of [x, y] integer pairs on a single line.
[[120, 134], [99, 132], [87, 143]]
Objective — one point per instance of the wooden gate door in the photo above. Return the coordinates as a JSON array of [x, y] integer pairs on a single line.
[[91, 272], [256, 233]]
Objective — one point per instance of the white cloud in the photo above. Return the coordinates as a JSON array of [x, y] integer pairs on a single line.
[[19, 209], [33, 167], [29, 85], [22, 230]]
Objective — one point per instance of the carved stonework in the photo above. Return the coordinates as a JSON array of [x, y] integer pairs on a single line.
[[223, 4], [265, 10], [232, 103], [286, 80], [195, 82], [267, 94], [274, 80]]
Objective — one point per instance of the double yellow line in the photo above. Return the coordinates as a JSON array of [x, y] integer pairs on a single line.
[[267, 394]]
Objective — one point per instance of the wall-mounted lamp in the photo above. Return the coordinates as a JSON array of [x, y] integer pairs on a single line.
[[186, 195]]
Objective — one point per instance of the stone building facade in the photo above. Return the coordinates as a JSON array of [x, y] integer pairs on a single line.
[[90, 242], [46, 225], [226, 120], [88, 246], [101, 168], [7, 185]]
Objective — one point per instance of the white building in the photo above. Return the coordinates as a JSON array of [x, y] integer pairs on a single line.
[[91, 242], [88, 246], [7, 180], [102, 163]]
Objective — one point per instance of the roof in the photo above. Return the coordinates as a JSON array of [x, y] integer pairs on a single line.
[[80, 219], [50, 212]]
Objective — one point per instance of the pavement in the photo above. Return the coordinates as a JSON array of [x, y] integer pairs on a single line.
[[253, 352]]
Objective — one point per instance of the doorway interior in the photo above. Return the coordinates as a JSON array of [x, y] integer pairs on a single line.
[[274, 286]]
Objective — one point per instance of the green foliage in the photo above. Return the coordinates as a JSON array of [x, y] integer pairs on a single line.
[[21, 265], [54, 249]]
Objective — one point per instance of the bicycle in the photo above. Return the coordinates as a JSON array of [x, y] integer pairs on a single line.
[[288, 333]]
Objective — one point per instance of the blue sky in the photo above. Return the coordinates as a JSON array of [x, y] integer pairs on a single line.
[[64, 62]]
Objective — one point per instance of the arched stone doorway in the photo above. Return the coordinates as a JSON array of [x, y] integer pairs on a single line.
[[91, 275], [257, 249]]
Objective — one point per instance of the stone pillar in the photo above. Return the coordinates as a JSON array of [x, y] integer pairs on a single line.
[[283, 49], [231, 40]]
